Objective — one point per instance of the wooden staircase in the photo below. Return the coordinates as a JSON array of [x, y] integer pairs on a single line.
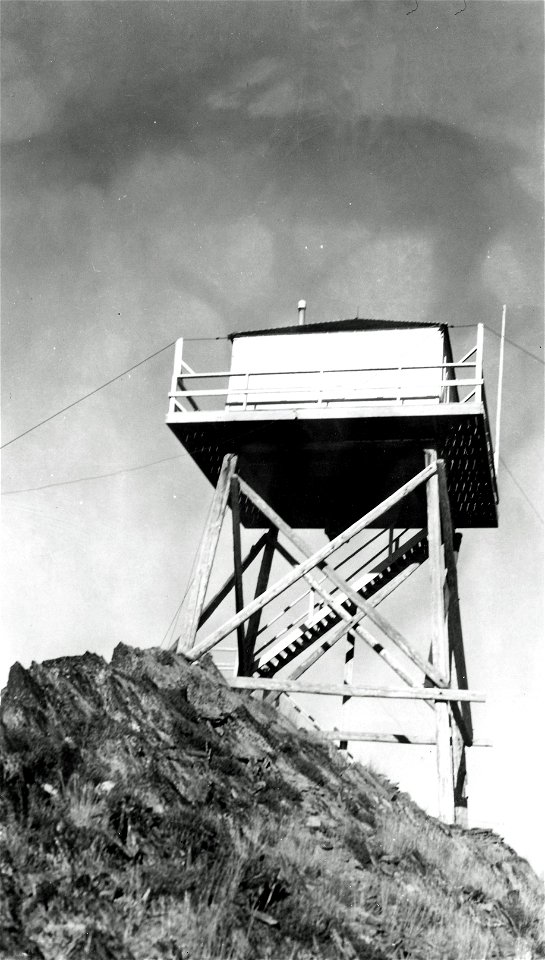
[[296, 638]]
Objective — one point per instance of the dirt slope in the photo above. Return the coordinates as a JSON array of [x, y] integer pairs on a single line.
[[147, 811]]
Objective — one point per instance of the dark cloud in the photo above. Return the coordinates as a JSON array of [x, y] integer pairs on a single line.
[[272, 97]]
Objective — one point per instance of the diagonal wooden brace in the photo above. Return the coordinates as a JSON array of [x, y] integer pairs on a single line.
[[228, 584], [351, 623], [342, 629], [298, 572], [365, 606]]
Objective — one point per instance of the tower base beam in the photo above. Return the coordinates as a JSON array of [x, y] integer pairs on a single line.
[[438, 694]]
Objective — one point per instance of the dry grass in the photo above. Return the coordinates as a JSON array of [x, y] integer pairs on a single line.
[[85, 807], [275, 888], [219, 834]]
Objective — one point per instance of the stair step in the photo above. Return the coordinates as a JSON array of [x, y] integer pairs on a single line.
[[309, 633]]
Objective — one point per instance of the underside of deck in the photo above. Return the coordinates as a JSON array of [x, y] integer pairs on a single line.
[[324, 469]]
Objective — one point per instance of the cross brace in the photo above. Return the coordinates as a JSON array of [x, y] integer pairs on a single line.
[[343, 607]]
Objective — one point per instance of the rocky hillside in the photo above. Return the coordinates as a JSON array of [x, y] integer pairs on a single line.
[[148, 811]]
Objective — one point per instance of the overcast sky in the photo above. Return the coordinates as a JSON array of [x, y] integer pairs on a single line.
[[192, 168]]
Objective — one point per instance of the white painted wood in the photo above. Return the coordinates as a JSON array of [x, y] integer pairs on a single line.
[[315, 412], [294, 632], [402, 738], [298, 572], [387, 628], [178, 350], [499, 392], [340, 690], [479, 359], [374, 350]]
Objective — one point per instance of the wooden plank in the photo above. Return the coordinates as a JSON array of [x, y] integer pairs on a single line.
[[228, 585], [261, 586], [459, 776], [499, 393], [305, 621], [334, 393], [324, 646], [358, 735], [440, 694], [338, 608], [210, 641], [348, 676], [387, 628], [454, 617], [215, 374], [439, 644], [343, 627], [244, 663], [315, 412], [196, 594], [178, 351], [462, 728]]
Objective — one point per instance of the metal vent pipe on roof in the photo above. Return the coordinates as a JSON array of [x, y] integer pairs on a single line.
[[301, 307]]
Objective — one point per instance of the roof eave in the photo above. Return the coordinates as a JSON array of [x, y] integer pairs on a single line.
[[336, 326]]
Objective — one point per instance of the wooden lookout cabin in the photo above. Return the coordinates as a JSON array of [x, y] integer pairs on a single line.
[[372, 432]]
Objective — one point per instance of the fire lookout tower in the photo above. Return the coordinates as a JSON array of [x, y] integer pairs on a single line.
[[369, 431]]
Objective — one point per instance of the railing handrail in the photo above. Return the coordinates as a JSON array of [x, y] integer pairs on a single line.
[[250, 389], [264, 390], [214, 374]]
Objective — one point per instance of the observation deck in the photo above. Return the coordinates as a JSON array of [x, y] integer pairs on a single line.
[[328, 419]]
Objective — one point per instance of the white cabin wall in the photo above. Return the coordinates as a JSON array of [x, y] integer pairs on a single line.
[[340, 351]]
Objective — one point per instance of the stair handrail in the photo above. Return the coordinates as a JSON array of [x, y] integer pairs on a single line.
[[319, 615], [335, 590]]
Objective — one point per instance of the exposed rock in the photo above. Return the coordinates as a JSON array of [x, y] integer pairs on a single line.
[[149, 811]]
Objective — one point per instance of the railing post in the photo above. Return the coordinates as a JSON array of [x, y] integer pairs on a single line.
[[499, 391], [178, 350], [479, 363]]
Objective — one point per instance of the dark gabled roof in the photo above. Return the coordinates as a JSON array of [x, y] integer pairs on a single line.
[[334, 326]]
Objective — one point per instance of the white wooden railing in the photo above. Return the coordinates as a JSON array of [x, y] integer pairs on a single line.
[[266, 389]]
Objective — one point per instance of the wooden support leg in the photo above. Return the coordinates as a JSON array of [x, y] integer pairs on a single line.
[[348, 679], [461, 721], [315, 560], [459, 773], [194, 600], [244, 663], [261, 585], [441, 658]]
